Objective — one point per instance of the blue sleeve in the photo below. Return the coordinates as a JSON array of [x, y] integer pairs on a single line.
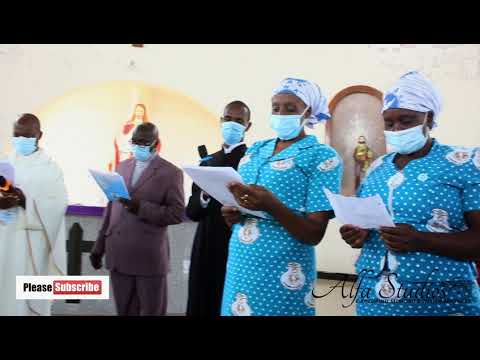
[[470, 174], [327, 172], [255, 146], [251, 151]]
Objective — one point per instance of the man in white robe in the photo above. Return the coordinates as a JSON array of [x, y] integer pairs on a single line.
[[34, 243]]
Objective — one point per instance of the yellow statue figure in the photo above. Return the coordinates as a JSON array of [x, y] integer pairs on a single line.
[[363, 158]]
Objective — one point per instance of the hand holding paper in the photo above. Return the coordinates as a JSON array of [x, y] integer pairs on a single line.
[[253, 197], [112, 184], [365, 213], [215, 181], [354, 236], [231, 215]]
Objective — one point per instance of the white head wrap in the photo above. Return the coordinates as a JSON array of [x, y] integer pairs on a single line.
[[413, 91], [310, 94]]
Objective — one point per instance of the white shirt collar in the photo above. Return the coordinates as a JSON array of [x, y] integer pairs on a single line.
[[232, 147]]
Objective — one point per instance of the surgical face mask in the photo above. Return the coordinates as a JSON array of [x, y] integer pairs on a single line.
[[232, 132], [407, 141], [25, 146], [288, 127], [141, 152]]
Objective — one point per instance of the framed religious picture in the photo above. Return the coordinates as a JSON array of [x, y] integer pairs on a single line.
[[356, 132], [121, 142]]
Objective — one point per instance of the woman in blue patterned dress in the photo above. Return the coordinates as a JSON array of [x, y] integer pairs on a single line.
[[425, 264], [271, 263]]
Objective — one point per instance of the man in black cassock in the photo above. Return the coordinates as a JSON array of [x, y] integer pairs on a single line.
[[210, 245]]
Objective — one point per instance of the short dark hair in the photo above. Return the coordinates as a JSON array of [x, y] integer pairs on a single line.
[[147, 127], [30, 118], [238, 103]]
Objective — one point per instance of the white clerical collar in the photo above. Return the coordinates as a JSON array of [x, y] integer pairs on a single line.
[[231, 147]]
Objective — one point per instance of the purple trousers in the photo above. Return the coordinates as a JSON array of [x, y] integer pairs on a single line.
[[139, 295]]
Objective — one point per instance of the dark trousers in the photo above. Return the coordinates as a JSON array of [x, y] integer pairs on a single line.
[[139, 295]]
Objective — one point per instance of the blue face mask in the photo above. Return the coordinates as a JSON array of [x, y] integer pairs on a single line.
[[407, 141], [232, 132], [287, 127], [25, 146], [141, 152]]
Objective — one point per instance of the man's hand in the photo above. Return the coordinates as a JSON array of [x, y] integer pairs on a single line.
[[131, 205], [96, 260], [354, 236], [231, 215], [401, 238]]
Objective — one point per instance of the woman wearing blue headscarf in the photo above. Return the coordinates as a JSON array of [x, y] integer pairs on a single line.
[[271, 263], [425, 264]]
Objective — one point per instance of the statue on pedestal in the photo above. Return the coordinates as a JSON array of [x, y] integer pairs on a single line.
[[363, 156]]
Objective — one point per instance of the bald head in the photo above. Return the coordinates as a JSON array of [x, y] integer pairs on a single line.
[[27, 125]]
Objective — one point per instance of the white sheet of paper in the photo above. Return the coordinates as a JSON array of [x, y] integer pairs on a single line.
[[366, 213], [112, 184], [214, 180]]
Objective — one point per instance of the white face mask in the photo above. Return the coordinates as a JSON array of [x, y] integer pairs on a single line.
[[288, 127], [407, 141]]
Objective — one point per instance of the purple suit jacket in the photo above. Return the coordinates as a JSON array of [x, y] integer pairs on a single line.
[[138, 244]]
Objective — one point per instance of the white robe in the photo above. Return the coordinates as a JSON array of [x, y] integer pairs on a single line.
[[35, 242]]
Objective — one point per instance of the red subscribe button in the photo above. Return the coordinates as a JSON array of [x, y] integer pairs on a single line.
[[77, 287]]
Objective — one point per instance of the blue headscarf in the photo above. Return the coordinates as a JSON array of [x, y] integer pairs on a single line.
[[413, 91], [310, 94]]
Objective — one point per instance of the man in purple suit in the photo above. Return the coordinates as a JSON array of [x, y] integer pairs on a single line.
[[134, 232]]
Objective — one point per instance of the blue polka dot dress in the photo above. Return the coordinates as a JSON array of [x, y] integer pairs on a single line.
[[431, 194], [269, 273]]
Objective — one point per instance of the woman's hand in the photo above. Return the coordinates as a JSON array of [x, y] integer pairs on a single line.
[[253, 197], [231, 215], [353, 236], [401, 238]]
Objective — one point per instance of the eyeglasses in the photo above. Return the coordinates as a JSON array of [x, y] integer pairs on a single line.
[[140, 142]]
